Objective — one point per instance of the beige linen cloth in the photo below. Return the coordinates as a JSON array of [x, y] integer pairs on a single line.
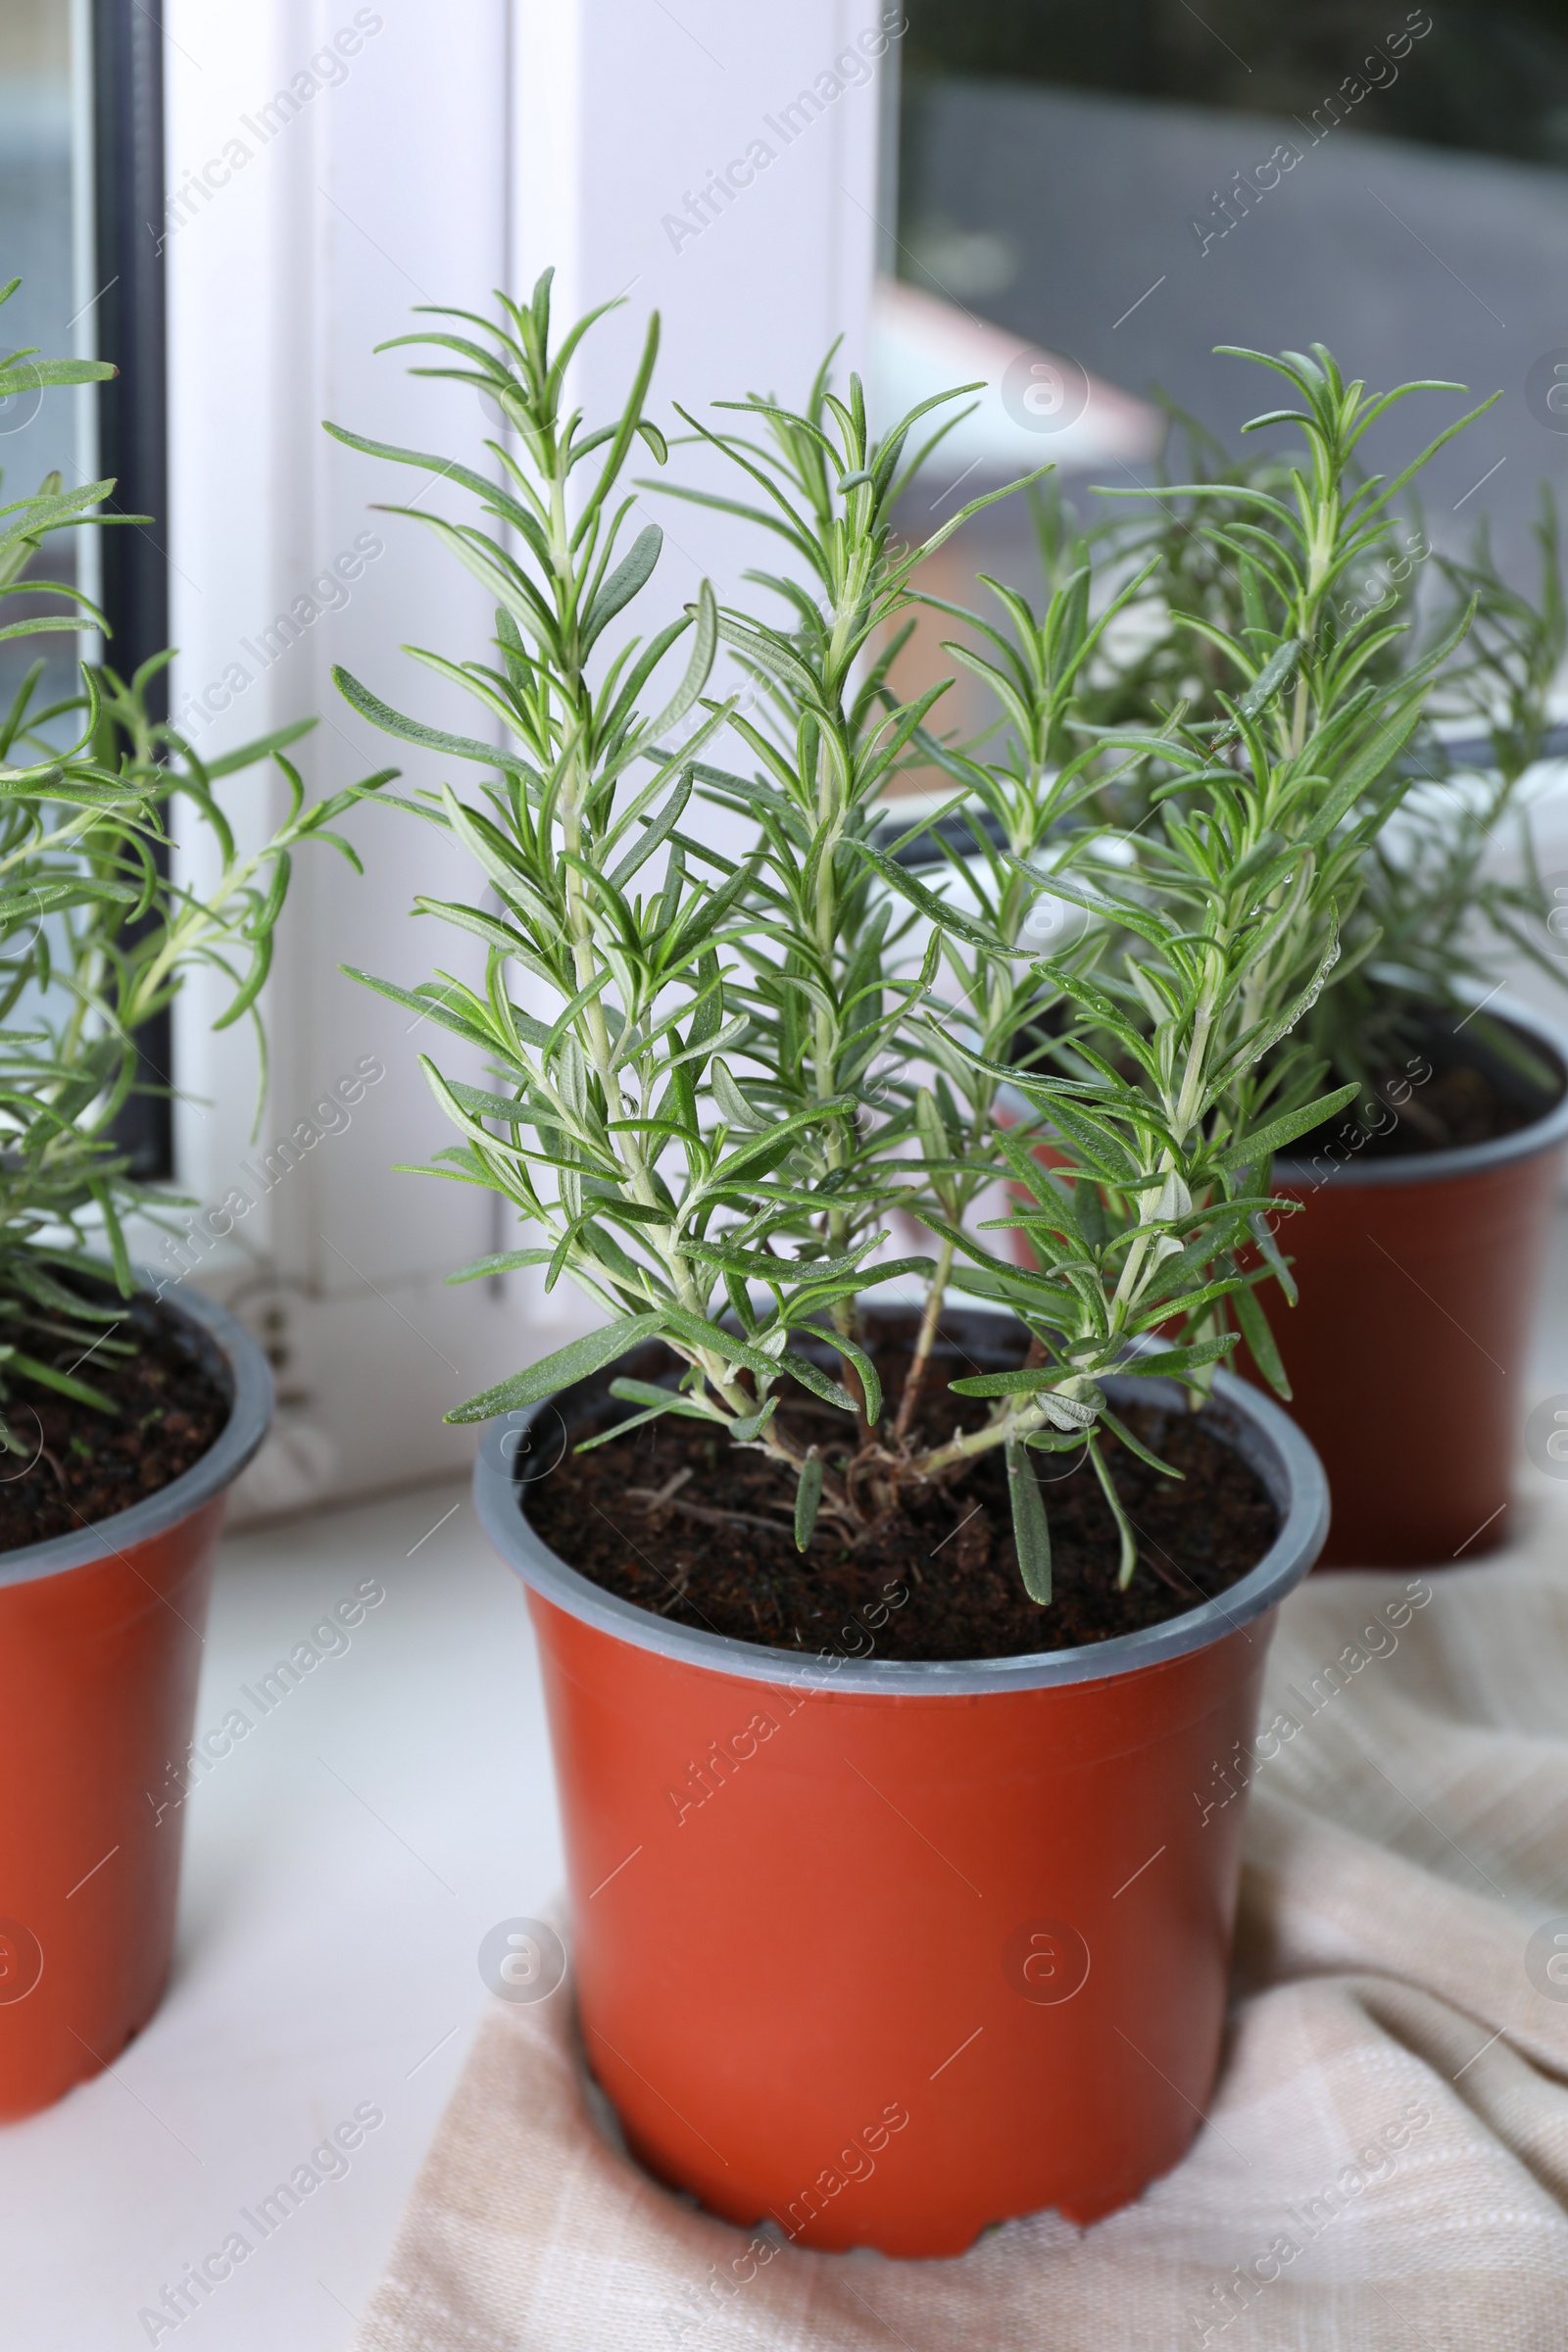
[[1386, 2158]]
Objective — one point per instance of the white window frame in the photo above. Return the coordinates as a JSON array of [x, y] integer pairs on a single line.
[[455, 151]]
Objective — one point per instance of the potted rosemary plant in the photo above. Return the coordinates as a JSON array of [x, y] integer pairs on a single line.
[[1420, 1212], [1430, 1202], [893, 1643], [124, 1417]]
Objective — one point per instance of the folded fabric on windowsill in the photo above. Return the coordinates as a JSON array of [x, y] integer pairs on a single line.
[[1385, 2163]]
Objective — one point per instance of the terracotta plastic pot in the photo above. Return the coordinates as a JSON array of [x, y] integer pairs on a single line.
[[100, 1647], [888, 1951], [1419, 1279]]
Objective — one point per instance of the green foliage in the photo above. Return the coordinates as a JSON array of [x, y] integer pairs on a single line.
[[95, 938], [1436, 900], [1438, 904], [722, 1079], [1210, 928], [26, 521], [677, 1189]]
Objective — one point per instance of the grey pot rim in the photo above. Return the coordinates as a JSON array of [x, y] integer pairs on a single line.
[[250, 1415], [1465, 1159], [1265, 1436]]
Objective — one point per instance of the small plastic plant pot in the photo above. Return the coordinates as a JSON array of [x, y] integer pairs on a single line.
[[1419, 1279], [887, 1951], [100, 1648]]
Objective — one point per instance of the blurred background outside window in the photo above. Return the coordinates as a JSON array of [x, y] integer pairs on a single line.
[[1089, 200]]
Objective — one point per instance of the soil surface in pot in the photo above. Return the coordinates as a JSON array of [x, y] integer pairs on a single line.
[[1454, 1108], [1459, 1090], [79, 1465], [678, 1521]]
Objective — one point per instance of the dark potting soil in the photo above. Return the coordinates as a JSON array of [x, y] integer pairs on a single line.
[[81, 1465], [940, 1579], [1454, 1107], [1457, 1090]]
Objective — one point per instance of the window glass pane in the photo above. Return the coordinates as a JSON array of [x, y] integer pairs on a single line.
[[38, 430], [1128, 185]]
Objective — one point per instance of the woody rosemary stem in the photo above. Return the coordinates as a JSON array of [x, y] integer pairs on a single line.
[[914, 1377]]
